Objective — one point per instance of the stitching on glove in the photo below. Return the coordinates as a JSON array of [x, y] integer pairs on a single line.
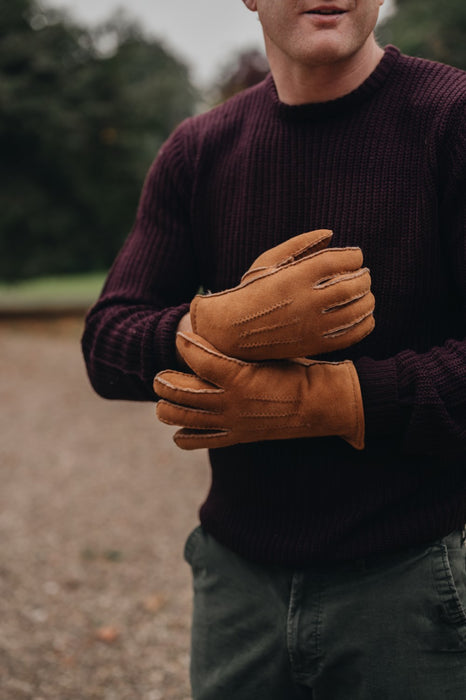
[[271, 399], [264, 312], [188, 390], [266, 343], [201, 435], [300, 254], [342, 329], [309, 247], [188, 409], [306, 362], [269, 415], [276, 270], [194, 427], [342, 276], [345, 302], [272, 327], [252, 270], [193, 313], [285, 426], [359, 427], [214, 353], [170, 371]]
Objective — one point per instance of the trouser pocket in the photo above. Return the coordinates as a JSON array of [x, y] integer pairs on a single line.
[[449, 574], [191, 544]]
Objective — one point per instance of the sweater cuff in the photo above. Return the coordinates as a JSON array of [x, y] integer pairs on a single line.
[[166, 336], [379, 389]]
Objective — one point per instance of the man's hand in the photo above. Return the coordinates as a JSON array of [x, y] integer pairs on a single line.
[[299, 298], [229, 401]]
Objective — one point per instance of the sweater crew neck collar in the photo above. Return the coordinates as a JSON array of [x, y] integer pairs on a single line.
[[341, 105]]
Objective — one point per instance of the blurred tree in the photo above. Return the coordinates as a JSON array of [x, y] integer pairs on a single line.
[[244, 70], [82, 115], [428, 29]]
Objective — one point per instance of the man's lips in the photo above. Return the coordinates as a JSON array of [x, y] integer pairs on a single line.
[[325, 10]]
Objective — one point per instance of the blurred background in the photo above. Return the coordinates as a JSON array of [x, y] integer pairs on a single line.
[[95, 500], [87, 98]]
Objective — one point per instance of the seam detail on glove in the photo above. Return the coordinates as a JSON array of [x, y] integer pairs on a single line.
[[342, 329], [272, 327], [303, 253], [227, 358], [271, 399], [299, 254], [193, 312], [342, 276], [279, 269], [254, 270], [195, 411], [345, 302], [192, 427], [265, 343], [285, 426], [359, 436], [269, 415], [187, 390], [264, 312], [325, 236], [185, 433]]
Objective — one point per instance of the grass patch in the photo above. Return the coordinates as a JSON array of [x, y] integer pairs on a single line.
[[56, 291]]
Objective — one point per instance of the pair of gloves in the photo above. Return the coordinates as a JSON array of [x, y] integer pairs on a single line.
[[252, 380]]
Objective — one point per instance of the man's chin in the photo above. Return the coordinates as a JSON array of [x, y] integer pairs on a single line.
[[331, 50], [326, 50]]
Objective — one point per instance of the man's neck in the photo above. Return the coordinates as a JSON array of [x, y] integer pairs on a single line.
[[302, 84]]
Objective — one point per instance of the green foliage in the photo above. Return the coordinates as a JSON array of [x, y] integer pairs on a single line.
[[428, 29], [50, 292], [82, 115]]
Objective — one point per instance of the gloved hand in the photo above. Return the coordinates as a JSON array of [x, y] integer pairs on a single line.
[[229, 401], [299, 298]]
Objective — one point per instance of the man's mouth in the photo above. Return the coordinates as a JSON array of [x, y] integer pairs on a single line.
[[326, 11]]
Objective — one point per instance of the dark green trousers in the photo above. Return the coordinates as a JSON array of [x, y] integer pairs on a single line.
[[388, 628]]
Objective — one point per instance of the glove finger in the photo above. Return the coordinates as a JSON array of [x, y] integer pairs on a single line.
[[344, 289], [186, 417], [187, 390], [349, 337], [205, 360], [198, 439], [291, 249], [325, 265], [347, 317]]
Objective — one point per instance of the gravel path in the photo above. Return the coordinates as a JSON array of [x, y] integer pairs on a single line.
[[95, 505]]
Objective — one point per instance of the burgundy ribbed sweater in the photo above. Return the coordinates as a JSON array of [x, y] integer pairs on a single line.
[[385, 168]]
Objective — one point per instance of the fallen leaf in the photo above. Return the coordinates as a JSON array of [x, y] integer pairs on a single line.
[[155, 602], [109, 635]]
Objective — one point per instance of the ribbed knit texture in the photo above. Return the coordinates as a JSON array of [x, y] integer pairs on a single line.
[[385, 168]]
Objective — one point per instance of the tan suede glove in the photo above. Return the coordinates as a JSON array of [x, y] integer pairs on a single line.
[[229, 401], [299, 298]]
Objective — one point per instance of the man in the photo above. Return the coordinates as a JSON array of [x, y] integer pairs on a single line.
[[330, 562]]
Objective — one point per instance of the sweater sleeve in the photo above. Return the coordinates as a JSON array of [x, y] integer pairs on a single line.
[[419, 399], [129, 334]]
